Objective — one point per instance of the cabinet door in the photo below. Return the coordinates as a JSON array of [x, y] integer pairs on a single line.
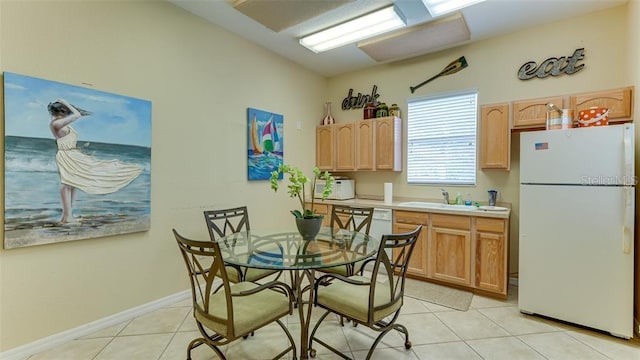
[[324, 147], [450, 249], [345, 146], [388, 145], [533, 113], [495, 144], [491, 254], [418, 262], [618, 101], [364, 145], [490, 261]]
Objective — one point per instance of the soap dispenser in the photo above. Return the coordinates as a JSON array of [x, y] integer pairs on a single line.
[[459, 199]]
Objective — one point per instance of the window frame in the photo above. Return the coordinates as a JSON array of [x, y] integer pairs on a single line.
[[469, 168]]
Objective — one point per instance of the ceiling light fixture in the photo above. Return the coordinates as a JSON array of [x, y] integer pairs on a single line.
[[441, 7], [368, 25]]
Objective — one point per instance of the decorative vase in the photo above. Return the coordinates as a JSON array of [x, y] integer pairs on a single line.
[[328, 119], [310, 227]]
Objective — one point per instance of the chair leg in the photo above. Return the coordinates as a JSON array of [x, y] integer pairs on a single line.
[[401, 328]]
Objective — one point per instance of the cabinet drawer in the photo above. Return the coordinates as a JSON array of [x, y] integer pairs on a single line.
[[492, 225], [451, 221], [410, 217]]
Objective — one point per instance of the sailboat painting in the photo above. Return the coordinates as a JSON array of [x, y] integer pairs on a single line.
[[265, 143]]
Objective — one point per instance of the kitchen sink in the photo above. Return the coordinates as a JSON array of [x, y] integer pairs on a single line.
[[434, 205]]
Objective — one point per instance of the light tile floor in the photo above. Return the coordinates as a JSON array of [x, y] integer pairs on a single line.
[[490, 329]]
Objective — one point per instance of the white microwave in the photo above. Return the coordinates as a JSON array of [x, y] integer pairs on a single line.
[[343, 189]]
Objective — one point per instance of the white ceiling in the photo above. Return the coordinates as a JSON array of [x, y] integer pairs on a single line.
[[487, 19]]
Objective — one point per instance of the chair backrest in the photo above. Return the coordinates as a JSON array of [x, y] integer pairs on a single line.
[[351, 218], [227, 221], [393, 271], [204, 265]]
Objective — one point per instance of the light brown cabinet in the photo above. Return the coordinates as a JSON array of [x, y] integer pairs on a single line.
[[322, 209], [532, 113], [618, 101], [324, 147], [495, 137], [450, 248], [345, 146], [468, 251], [388, 144], [364, 145], [374, 144], [491, 262], [406, 221]]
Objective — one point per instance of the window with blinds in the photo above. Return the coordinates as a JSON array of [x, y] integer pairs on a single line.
[[441, 139]]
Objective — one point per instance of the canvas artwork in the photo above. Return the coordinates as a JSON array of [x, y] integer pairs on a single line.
[[77, 162], [265, 143]]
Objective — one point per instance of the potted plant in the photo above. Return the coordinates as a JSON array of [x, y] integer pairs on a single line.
[[306, 219]]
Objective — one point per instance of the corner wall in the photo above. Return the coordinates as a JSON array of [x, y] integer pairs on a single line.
[[200, 80]]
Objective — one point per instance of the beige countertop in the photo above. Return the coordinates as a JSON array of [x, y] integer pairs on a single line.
[[397, 204]]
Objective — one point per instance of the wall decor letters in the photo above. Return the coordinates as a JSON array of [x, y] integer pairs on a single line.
[[357, 102], [552, 66]]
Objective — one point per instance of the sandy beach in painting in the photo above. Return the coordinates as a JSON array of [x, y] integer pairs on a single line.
[[46, 232]]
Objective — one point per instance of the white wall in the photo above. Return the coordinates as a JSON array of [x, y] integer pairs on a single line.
[[493, 67], [200, 80]]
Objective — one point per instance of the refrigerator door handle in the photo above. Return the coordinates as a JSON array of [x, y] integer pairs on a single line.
[[628, 156], [627, 232]]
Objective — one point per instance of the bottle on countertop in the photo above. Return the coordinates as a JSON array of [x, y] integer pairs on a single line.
[[459, 199], [467, 200]]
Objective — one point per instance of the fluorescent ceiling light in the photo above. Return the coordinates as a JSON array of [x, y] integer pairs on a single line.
[[374, 23], [441, 7]]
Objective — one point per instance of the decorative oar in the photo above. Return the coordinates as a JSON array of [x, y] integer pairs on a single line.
[[452, 68]]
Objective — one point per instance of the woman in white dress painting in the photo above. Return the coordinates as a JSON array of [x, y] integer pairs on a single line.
[[79, 170]]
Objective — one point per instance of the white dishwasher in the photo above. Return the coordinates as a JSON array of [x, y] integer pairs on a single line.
[[381, 223]]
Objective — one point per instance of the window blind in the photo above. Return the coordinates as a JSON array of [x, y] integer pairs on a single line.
[[441, 139]]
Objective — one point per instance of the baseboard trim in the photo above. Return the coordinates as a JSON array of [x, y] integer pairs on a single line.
[[24, 351]]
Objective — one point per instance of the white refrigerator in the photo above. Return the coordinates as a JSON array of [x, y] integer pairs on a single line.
[[576, 258]]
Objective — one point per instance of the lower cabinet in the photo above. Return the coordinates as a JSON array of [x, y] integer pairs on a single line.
[[468, 251], [322, 209], [406, 221], [450, 248], [491, 262]]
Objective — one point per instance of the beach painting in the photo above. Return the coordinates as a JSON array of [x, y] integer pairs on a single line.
[[265, 143], [77, 162]]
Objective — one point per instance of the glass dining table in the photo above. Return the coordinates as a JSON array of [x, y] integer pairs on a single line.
[[286, 250]]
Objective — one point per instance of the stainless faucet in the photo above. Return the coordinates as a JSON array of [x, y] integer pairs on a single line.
[[446, 196]]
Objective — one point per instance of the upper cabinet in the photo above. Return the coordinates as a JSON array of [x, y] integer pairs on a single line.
[[495, 137], [532, 113], [388, 143], [324, 147], [372, 144], [618, 101], [345, 146], [364, 145]]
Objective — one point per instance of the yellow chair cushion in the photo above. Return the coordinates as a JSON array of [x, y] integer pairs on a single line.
[[249, 312], [353, 300]]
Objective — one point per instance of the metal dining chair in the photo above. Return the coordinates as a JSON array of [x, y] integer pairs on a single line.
[[221, 223], [354, 219], [373, 301], [234, 310]]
